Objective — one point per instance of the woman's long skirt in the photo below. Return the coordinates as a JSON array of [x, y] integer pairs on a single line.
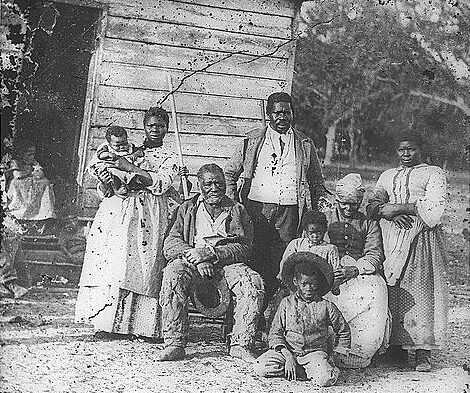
[[363, 303], [122, 270], [419, 302]]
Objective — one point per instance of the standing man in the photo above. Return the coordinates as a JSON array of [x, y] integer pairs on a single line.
[[211, 234], [281, 177]]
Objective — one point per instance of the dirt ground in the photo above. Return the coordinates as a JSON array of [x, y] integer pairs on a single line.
[[42, 350]]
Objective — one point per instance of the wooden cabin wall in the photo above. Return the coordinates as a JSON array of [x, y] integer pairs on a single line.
[[249, 43]]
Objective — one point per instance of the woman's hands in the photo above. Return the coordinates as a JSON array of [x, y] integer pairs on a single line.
[[400, 213], [345, 273], [403, 221], [104, 176]]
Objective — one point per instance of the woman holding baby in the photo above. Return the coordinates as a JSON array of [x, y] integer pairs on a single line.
[[121, 274]]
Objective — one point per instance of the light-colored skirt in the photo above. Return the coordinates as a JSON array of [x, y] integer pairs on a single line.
[[363, 303], [115, 310], [31, 199], [122, 268]]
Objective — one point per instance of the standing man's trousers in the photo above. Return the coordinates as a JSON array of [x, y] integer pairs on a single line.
[[274, 227]]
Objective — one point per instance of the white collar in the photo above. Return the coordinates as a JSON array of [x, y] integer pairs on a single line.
[[274, 133], [219, 219]]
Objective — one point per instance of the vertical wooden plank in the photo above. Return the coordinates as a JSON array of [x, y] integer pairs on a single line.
[[291, 59], [91, 99]]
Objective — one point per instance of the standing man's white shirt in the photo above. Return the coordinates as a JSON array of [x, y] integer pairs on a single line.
[[274, 179]]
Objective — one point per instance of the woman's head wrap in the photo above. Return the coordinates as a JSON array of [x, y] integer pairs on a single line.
[[350, 188]]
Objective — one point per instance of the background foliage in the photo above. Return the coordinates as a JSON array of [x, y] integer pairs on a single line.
[[367, 70]]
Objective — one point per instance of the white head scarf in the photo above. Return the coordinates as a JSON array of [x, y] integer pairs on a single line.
[[350, 188]]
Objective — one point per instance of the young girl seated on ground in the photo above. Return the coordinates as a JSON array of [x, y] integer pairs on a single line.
[[314, 226], [30, 195], [301, 346], [117, 145]]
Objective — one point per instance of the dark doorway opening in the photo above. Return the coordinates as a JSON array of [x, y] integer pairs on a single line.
[[51, 112]]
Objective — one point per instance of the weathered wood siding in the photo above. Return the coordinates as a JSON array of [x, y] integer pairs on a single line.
[[247, 41]]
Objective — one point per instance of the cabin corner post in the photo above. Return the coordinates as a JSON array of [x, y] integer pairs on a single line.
[[91, 101]]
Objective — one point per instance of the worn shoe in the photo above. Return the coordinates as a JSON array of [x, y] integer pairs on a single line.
[[245, 354], [102, 335], [151, 340], [423, 360], [171, 353], [17, 290]]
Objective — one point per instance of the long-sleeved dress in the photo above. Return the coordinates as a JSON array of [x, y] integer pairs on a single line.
[[362, 300], [30, 196], [414, 265], [121, 275]]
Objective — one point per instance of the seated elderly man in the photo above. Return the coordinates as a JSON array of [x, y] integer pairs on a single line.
[[210, 232]]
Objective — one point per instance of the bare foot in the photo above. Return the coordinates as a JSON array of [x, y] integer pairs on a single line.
[[237, 351], [4, 292], [17, 290], [171, 353]]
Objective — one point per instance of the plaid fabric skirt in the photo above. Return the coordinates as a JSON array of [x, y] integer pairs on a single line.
[[419, 301]]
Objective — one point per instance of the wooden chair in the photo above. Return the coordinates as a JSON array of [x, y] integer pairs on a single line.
[[212, 303]]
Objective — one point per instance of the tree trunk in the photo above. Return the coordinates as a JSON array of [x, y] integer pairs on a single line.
[[330, 142], [352, 147], [355, 138]]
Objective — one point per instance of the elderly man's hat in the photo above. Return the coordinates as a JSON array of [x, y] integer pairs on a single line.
[[211, 296], [318, 264]]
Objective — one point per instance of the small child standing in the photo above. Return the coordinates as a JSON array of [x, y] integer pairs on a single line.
[[117, 182], [301, 346], [314, 226]]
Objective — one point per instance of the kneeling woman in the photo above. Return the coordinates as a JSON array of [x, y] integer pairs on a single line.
[[122, 269], [363, 292]]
